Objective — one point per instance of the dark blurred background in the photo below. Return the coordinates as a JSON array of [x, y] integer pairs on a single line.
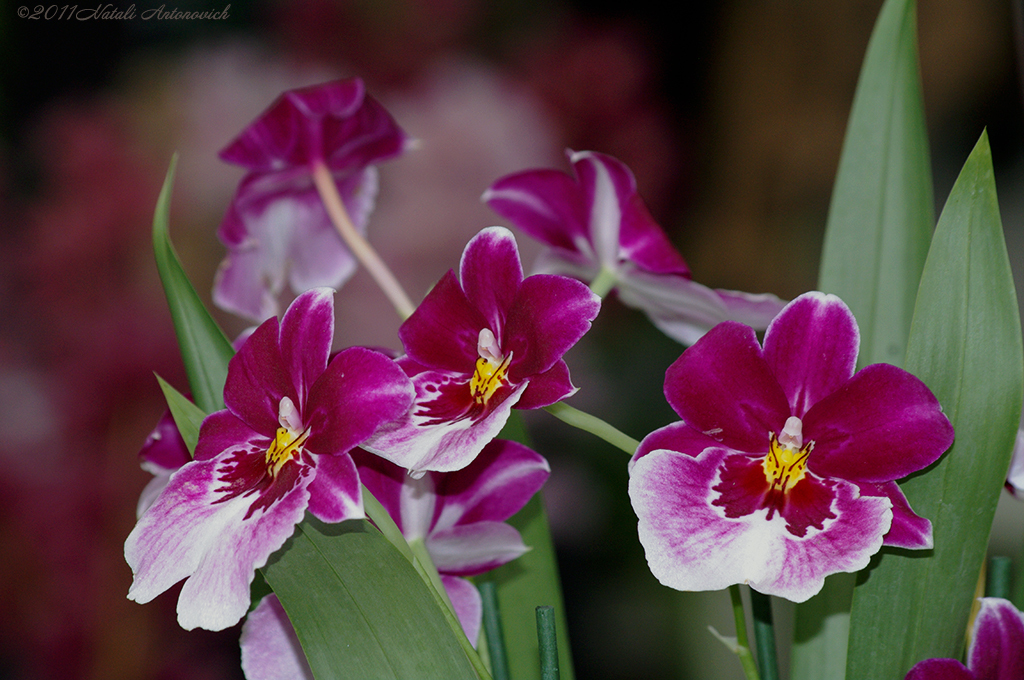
[[731, 117]]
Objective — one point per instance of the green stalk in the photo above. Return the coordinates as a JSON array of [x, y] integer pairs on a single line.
[[764, 635], [742, 643], [547, 643], [594, 425]]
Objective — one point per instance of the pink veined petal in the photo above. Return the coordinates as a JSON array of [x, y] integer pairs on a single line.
[[546, 204], [909, 530], [940, 669], [997, 647], [550, 315], [691, 545], [470, 549], [881, 425], [257, 380], [306, 333], [490, 274], [444, 330], [466, 601], [152, 490], [418, 444], [335, 493], [551, 386], [270, 648], [685, 310], [495, 486], [194, 531], [678, 437], [723, 387], [620, 225], [811, 348], [566, 263], [360, 391], [222, 430]]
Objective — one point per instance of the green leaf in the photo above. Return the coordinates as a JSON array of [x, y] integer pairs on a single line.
[[881, 216], [204, 348], [187, 416], [965, 343], [359, 608], [528, 582], [879, 225]]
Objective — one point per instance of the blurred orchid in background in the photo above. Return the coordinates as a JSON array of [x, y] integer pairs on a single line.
[[599, 231], [277, 228], [782, 468]]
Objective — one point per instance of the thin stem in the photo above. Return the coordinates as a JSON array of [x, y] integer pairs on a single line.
[[764, 635], [359, 246], [547, 643], [742, 643], [493, 630], [604, 282], [1000, 576], [594, 425]]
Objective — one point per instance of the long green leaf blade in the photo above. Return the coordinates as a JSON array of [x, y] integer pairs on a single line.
[[204, 348], [876, 240], [359, 608], [965, 343]]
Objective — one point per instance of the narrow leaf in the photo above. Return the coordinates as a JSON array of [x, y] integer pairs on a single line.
[[187, 416], [879, 224], [359, 608], [528, 582], [965, 343], [204, 348]]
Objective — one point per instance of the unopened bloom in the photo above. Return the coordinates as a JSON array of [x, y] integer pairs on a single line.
[[783, 467], [598, 228], [996, 651], [478, 345], [279, 447], [276, 228]]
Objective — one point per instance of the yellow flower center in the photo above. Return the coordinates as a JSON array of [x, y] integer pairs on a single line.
[[491, 368], [286, 445], [786, 461]]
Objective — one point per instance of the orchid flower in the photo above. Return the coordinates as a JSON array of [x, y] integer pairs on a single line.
[[599, 230], [996, 651], [458, 516], [279, 447], [479, 345], [277, 228], [783, 467], [163, 452]]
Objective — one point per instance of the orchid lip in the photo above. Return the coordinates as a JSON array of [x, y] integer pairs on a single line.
[[491, 369], [786, 461]]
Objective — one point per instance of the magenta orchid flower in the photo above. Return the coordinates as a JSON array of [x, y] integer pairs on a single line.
[[279, 447], [163, 452], [460, 518], [479, 345], [782, 470], [276, 228], [996, 651], [599, 230]]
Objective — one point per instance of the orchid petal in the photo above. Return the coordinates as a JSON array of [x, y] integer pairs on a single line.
[[546, 204], [1015, 477], [678, 437], [940, 669], [881, 425], [690, 545], [306, 334], [908, 530], [723, 387], [384, 480], [811, 348], [270, 647], [257, 380], [335, 492], [997, 648], [443, 331], [553, 385], [490, 273], [216, 543], [471, 549], [549, 316], [466, 602]]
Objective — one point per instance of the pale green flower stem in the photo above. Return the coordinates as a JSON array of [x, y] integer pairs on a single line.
[[594, 425], [416, 553], [604, 282], [359, 246], [742, 644]]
